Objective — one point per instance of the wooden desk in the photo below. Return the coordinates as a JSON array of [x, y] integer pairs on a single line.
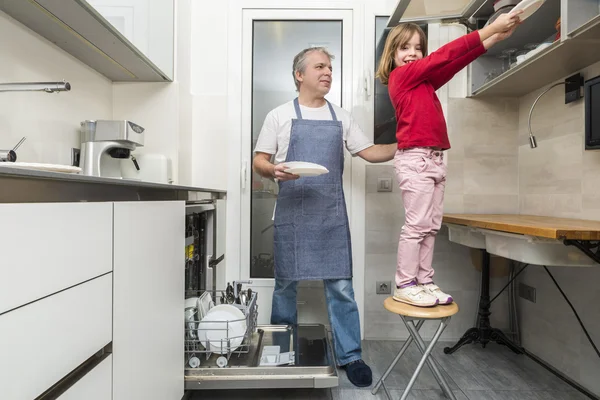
[[546, 227], [583, 234]]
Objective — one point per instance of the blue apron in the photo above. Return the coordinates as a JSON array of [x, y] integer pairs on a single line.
[[312, 235]]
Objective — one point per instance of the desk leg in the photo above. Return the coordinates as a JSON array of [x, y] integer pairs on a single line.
[[484, 333]]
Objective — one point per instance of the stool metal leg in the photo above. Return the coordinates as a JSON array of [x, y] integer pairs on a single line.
[[393, 364], [431, 361], [409, 324]]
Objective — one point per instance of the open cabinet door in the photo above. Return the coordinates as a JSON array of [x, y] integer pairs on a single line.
[[430, 11]]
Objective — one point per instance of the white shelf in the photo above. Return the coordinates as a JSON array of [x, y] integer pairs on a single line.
[[560, 60]]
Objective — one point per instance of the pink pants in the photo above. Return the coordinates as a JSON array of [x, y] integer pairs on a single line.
[[421, 175]]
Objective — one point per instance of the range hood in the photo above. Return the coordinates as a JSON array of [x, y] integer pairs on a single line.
[[429, 11]]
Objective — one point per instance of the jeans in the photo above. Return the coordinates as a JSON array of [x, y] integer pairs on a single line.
[[342, 310], [421, 175]]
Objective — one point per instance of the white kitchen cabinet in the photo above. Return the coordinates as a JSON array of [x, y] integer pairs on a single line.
[[148, 313], [576, 14], [49, 247], [44, 341], [95, 385], [124, 40]]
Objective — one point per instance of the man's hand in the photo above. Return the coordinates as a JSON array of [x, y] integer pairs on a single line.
[[264, 167], [281, 175]]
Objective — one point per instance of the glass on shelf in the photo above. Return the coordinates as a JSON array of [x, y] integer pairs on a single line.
[[530, 46], [511, 56], [505, 64], [491, 75]]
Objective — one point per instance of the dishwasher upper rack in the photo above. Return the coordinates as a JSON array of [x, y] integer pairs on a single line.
[[195, 347]]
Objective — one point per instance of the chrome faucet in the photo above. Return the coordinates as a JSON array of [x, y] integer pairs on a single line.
[[48, 87]]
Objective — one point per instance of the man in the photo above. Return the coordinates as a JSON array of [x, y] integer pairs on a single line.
[[312, 235]]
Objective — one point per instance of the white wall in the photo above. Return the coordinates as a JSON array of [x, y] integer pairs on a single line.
[[50, 121], [566, 187], [155, 106]]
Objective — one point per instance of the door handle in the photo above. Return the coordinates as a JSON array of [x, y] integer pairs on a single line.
[[243, 173], [368, 84]]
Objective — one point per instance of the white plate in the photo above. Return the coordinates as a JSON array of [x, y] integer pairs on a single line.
[[220, 323], [302, 168], [528, 7], [44, 167]]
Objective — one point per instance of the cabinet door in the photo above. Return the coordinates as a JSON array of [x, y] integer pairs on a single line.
[[95, 385], [48, 247], [149, 250], [44, 341], [430, 11]]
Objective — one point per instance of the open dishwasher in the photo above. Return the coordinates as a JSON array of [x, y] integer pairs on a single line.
[[225, 347]]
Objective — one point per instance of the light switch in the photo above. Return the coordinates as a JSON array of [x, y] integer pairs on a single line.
[[384, 184]]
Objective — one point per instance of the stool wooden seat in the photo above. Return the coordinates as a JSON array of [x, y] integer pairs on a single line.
[[407, 310], [409, 314]]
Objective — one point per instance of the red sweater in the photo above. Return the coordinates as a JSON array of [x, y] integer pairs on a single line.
[[419, 115]]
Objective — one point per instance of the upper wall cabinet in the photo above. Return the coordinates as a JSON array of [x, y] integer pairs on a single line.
[[124, 40], [555, 42], [552, 44]]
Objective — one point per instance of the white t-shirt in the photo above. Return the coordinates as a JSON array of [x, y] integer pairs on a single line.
[[274, 137]]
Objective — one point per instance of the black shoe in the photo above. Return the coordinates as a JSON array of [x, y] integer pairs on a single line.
[[359, 373]]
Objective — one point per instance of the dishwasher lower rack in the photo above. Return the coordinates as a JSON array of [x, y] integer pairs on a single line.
[[312, 366], [224, 335]]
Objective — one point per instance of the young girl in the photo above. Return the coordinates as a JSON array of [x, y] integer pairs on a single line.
[[412, 78]]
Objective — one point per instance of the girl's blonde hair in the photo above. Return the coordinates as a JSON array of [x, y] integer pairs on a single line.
[[398, 37]]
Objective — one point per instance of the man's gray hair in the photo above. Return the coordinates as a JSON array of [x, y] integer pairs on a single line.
[[300, 61]]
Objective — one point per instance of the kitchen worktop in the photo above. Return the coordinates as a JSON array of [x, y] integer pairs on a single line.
[[20, 185], [31, 173], [540, 226]]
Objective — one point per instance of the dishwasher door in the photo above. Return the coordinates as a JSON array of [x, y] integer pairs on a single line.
[[312, 363], [265, 356]]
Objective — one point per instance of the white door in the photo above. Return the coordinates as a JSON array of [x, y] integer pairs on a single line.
[[271, 39]]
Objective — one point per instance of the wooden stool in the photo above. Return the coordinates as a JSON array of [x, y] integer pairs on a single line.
[[409, 314]]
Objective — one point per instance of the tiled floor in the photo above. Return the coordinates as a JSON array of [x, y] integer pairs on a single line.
[[473, 373]]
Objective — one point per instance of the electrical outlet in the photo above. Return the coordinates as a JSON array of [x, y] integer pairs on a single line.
[[527, 292], [75, 157], [384, 184], [383, 287]]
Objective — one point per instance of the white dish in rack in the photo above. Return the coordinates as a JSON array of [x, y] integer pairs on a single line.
[[221, 323], [43, 167], [302, 168]]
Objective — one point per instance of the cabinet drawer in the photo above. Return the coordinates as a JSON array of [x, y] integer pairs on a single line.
[[42, 342], [95, 385], [48, 247]]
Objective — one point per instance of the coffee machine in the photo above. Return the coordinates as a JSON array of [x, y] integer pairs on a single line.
[[105, 143]]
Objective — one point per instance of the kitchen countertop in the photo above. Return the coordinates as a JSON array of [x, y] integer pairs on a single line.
[[540, 226], [16, 172]]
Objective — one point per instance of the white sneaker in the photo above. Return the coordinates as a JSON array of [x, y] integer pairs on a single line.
[[415, 295], [434, 290]]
